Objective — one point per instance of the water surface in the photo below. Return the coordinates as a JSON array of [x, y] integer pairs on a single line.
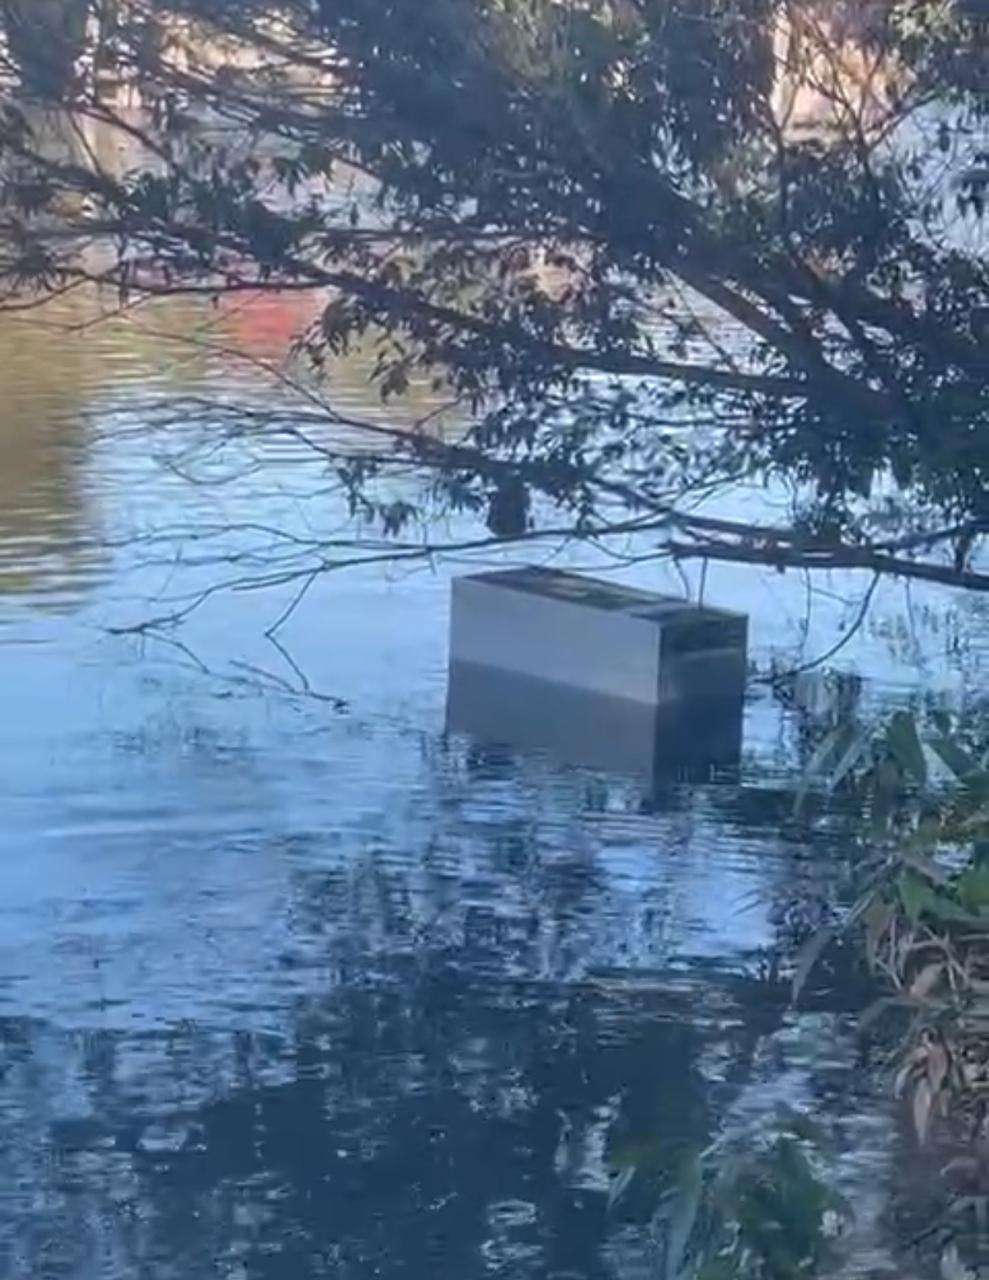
[[292, 982]]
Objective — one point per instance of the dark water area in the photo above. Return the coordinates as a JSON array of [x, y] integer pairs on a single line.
[[293, 981]]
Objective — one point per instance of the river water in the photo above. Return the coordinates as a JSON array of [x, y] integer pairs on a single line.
[[292, 982]]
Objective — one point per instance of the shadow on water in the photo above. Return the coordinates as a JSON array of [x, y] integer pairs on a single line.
[[685, 741]]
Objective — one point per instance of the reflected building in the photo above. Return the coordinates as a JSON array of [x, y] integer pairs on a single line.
[[270, 325], [46, 542], [50, 46], [64, 374]]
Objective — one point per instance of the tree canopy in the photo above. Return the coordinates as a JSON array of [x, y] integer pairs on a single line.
[[648, 248]]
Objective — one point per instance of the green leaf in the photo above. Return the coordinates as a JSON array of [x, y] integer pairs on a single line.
[[876, 918], [924, 866], [827, 750], [976, 822], [876, 1010], [972, 887], [929, 833], [977, 784], [680, 1213], [886, 789], [919, 898], [860, 741], [916, 895], [945, 909], [808, 956], [905, 746], [950, 754], [620, 1183]]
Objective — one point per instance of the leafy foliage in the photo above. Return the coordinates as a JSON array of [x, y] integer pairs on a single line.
[[763, 1208], [600, 227], [918, 790], [923, 914]]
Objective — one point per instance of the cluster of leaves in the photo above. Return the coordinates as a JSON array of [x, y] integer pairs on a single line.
[[779, 1215], [762, 1208], [586, 221], [917, 788], [921, 787]]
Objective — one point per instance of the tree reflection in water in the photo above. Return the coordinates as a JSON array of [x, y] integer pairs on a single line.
[[442, 1058], [425, 1122]]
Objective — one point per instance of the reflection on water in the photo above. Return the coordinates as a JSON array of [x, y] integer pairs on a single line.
[[293, 990], [69, 369], [446, 1126], [298, 995], [687, 739], [45, 542]]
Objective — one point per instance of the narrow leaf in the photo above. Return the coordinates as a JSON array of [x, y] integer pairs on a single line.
[[972, 887], [950, 754], [923, 1102], [619, 1184], [853, 753], [926, 980], [877, 920], [904, 744], [914, 894], [808, 956], [887, 785], [825, 751], [937, 1067], [903, 1078], [679, 1213], [876, 1010], [925, 867]]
